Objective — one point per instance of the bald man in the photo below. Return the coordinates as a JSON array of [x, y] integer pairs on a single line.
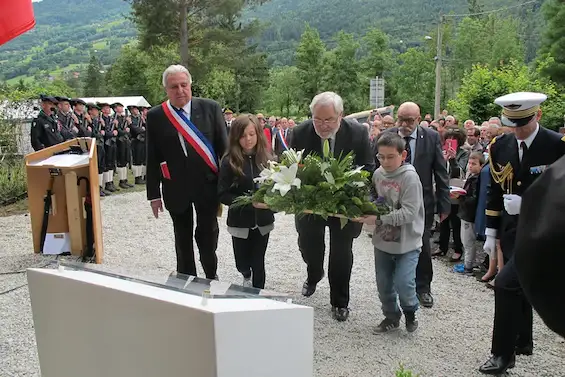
[[388, 122], [423, 147]]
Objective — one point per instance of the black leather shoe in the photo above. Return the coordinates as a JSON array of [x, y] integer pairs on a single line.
[[498, 364], [308, 289], [426, 300], [526, 350], [340, 314]]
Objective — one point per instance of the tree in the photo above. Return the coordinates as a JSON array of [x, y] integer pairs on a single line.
[[281, 95], [341, 73], [482, 85], [379, 55], [128, 74], [414, 79], [161, 22], [309, 62], [219, 85], [475, 6], [553, 42], [94, 80]]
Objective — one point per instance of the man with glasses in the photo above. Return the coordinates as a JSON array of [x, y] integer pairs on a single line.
[[423, 149], [344, 136]]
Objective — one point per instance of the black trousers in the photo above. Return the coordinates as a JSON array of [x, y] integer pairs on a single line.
[[513, 315], [311, 232], [424, 269], [123, 153], [110, 152], [452, 223], [206, 235], [101, 158], [250, 256], [138, 152]]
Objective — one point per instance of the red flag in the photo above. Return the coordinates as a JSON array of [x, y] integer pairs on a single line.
[[16, 17]]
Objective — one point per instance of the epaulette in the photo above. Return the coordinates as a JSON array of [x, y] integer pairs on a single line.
[[563, 138]]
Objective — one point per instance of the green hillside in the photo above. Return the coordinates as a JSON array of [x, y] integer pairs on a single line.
[[66, 33]]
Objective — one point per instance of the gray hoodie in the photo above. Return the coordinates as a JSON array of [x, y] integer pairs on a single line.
[[402, 229]]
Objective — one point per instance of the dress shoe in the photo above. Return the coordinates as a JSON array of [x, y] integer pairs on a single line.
[[123, 184], [128, 184], [498, 364], [114, 186], [139, 181], [340, 314], [526, 350], [109, 187], [426, 299], [308, 289]]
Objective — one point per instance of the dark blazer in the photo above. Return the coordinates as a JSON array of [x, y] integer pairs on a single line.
[[192, 180], [279, 149], [547, 147], [351, 137], [431, 166], [231, 185], [468, 203]]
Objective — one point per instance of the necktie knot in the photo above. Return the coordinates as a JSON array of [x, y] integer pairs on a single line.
[[524, 146]]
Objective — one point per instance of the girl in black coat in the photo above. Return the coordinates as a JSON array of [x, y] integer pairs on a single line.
[[249, 226]]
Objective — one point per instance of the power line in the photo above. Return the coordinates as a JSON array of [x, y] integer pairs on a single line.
[[492, 11]]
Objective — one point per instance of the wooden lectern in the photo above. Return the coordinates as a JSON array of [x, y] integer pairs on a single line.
[[51, 167]]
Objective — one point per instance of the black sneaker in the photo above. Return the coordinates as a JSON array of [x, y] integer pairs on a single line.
[[386, 325], [411, 321]]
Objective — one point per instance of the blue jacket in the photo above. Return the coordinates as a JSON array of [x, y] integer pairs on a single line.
[[482, 186]]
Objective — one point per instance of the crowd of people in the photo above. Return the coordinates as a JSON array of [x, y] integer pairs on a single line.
[[120, 137], [466, 182]]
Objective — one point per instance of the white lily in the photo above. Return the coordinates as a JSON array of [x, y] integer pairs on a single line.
[[264, 175], [285, 178], [293, 156], [353, 172], [323, 167], [358, 183], [329, 177]]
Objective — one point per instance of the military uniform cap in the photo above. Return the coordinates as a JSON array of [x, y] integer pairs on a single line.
[[519, 108], [76, 101], [134, 107], [116, 104], [92, 105], [227, 111], [102, 104], [63, 99], [45, 98]]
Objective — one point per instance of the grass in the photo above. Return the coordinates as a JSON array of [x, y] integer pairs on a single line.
[[99, 45], [21, 206], [16, 80]]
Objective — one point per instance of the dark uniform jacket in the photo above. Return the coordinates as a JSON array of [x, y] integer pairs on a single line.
[[45, 132], [136, 130], [539, 253], [546, 148], [97, 130], [109, 127], [82, 126], [66, 124]]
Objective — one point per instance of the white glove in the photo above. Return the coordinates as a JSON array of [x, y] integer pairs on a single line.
[[512, 204], [490, 243]]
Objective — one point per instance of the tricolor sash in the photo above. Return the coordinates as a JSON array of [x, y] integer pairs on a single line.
[[283, 140], [192, 135]]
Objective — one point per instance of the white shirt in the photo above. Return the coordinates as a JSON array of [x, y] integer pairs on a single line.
[[186, 110], [529, 140]]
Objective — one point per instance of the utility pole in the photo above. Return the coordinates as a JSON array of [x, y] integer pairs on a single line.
[[437, 103], [183, 5]]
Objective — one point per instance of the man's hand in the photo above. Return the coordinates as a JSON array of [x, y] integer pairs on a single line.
[[127, 129], [443, 216], [89, 129], [115, 132], [512, 204], [115, 122], [75, 119], [260, 205], [102, 132], [156, 207]]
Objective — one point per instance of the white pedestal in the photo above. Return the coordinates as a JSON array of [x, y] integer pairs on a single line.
[[91, 325]]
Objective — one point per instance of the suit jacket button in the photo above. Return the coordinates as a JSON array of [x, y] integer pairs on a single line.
[[519, 183]]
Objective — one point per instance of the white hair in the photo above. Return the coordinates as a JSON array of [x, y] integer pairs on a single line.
[[175, 68], [326, 99]]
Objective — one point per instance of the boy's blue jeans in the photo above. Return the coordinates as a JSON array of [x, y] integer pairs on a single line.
[[396, 279]]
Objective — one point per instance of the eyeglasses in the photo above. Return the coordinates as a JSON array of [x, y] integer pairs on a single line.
[[381, 157], [326, 122], [407, 121]]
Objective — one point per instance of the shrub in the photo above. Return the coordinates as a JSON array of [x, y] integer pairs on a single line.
[[401, 372], [13, 182]]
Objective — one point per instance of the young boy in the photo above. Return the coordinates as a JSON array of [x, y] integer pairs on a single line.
[[397, 237], [468, 209]]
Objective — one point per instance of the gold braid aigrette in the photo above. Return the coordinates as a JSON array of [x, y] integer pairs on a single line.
[[504, 175]]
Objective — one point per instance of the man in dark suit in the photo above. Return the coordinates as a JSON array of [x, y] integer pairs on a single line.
[[185, 136], [282, 137], [424, 152], [344, 137], [516, 160]]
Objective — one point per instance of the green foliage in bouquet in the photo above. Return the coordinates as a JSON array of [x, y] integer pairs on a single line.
[[322, 185]]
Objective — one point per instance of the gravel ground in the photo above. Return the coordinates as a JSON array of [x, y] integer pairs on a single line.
[[453, 338]]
